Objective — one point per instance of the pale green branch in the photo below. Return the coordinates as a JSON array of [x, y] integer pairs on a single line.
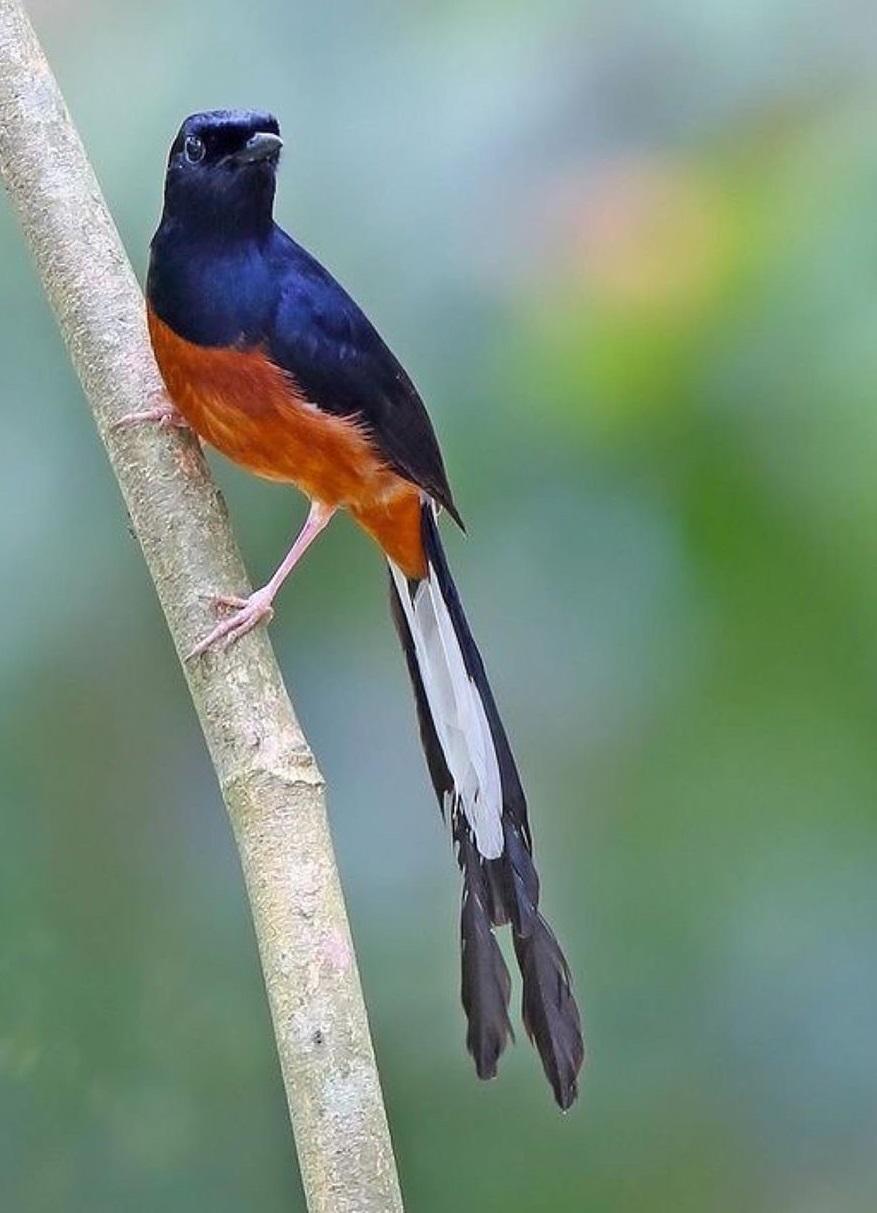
[[269, 780]]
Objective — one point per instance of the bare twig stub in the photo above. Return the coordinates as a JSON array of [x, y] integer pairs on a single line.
[[269, 780]]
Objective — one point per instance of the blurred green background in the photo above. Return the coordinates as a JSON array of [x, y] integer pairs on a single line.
[[629, 253]]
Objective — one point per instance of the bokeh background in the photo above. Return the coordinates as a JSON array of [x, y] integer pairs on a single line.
[[629, 253]]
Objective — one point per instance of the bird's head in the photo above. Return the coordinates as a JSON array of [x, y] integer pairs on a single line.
[[221, 172]]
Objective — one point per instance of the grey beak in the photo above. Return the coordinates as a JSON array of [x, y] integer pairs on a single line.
[[258, 147]]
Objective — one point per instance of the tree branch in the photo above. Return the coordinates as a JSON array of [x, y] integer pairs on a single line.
[[269, 780]]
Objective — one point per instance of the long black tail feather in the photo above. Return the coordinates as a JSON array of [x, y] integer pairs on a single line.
[[500, 890], [549, 1010], [486, 986]]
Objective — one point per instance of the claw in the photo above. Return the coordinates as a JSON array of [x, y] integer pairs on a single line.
[[223, 600]]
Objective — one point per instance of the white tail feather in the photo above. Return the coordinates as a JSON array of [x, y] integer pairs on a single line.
[[457, 711]]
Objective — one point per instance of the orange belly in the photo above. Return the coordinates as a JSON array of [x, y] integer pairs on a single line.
[[251, 410]]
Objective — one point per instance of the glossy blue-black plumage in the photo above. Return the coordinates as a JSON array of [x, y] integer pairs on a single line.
[[223, 274]]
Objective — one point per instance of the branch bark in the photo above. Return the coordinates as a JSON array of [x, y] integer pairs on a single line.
[[270, 783]]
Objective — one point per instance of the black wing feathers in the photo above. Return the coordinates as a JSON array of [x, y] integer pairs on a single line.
[[342, 365]]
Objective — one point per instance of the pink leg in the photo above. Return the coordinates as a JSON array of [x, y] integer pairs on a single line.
[[163, 413], [250, 611]]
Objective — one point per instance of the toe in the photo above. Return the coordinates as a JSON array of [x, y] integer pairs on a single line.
[[229, 600], [245, 622], [210, 639]]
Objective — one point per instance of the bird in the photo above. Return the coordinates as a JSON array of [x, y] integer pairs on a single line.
[[271, 362]]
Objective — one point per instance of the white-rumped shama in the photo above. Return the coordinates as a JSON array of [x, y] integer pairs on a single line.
[[270, 361]]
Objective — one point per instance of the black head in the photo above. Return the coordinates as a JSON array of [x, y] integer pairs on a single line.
[[221, 172]]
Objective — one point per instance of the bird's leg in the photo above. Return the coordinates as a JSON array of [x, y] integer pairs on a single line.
[[162, 412], [250, 611]]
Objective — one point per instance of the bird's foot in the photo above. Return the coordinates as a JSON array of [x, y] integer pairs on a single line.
[[248, 612], [163, 414]]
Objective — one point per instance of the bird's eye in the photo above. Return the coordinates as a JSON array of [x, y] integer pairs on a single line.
[[194, 149]]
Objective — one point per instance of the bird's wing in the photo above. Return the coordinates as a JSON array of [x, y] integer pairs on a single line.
[[337, 358]]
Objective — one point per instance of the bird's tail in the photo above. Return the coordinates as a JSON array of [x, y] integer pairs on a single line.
[[477, 783]]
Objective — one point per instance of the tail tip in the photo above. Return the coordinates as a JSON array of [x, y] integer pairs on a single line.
[[566, 1092]]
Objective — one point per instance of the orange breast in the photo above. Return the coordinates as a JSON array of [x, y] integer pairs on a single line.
[[252, 411]]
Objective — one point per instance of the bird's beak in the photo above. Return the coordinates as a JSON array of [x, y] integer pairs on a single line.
[[258, 147]]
